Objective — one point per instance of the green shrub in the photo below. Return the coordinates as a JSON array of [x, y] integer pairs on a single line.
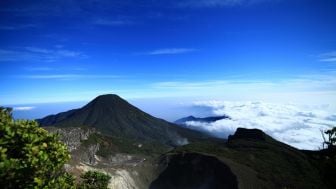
[[30, 157], [94, 180], [331, 141]]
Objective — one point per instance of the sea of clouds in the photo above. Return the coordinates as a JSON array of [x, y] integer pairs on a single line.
[[297, 125]]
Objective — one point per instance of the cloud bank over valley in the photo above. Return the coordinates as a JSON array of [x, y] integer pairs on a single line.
[[296, 125]]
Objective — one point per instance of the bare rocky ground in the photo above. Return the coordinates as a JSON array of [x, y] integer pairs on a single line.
[[127, 171]]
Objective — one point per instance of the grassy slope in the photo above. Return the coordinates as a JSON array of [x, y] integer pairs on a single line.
[[262, 164]]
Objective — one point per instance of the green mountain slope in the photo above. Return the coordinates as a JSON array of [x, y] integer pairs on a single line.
[[114, 116], [254, 158]]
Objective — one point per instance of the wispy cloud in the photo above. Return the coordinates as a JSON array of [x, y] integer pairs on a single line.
[[39, 68], [17, 27], [217, 3], [54, 68], [23, 108], [55, 53], [109, 22], [169, 51], [303, 82], [328, 57], [38, 54], [73, 8], [68, 76]]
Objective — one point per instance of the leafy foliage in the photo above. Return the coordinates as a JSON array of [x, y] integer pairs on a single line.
[[94, 180], [30, 157], [331, 142]]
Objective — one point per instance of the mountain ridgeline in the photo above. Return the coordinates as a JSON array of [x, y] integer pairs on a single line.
[[183, 121], [113, 116], [136, 149]]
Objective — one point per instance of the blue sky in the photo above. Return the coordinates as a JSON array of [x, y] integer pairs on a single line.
[[73, 50]]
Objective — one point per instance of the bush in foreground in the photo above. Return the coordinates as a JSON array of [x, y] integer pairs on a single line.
[[30, 157], [94, 180]]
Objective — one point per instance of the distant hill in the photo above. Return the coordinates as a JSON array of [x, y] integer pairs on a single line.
[[113, 116], [183, 121], [249, 159]]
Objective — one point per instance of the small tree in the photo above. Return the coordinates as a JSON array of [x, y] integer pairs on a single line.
[[30, 157], [94, 180], [331, 140]]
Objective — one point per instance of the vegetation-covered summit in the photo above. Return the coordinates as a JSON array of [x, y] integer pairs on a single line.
[[114, 116]]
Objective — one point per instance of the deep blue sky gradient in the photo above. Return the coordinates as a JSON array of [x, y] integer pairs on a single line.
[[73, 50]]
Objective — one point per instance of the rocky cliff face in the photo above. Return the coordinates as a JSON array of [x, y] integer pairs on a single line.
[[73, 136], [124, 169], [123, 179]]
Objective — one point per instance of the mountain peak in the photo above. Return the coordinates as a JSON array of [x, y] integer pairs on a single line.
[[114, 116], [108, 98], [109, 101]]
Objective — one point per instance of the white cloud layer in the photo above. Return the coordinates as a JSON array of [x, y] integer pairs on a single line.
[[23, 108], [298, 126]]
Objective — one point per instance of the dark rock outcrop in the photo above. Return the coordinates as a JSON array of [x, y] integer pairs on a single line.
[[195, 171], [249, 134]]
